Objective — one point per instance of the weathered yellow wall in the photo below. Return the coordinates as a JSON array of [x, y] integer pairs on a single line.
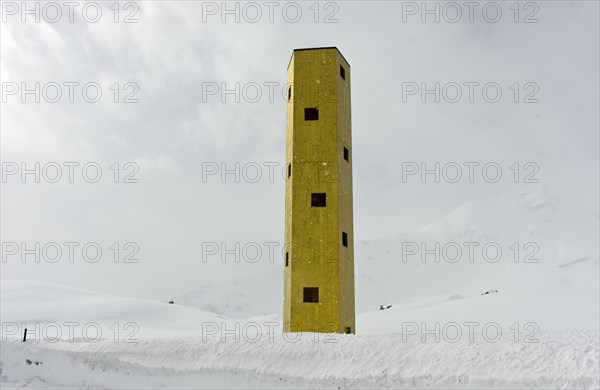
[[313, 235]]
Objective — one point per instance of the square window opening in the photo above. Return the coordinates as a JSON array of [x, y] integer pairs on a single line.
[[345, 239], [287, 257], [311, 114], [342, 72], [348, 330], [311, 294], [318, 199], [346, 154]]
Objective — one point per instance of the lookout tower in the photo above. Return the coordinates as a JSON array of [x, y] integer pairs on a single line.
[[319, 232]]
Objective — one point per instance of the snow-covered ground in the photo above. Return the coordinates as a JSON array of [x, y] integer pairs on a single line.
[[563, 359], [537, 327]]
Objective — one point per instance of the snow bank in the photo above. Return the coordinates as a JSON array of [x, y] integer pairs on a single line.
[[560, 359]]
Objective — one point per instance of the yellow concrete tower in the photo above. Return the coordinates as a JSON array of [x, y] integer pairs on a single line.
[[319, 232]]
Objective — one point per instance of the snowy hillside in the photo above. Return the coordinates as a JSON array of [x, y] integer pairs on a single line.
[[243, 297], [552, 279], [32, 302], [537, 326], [553, 268], [215, 352]]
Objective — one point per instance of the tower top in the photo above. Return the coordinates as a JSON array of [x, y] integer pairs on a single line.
[[319, 48]]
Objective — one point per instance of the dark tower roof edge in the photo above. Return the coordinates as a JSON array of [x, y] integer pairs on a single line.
[[318, 48]]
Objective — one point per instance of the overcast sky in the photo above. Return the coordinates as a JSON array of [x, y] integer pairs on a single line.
[[177, 53]]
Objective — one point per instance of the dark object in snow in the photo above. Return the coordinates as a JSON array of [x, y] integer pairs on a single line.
[[29, 362], [388, 306], [489, 292], [25, 335], [381, 307], [171, 302]]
